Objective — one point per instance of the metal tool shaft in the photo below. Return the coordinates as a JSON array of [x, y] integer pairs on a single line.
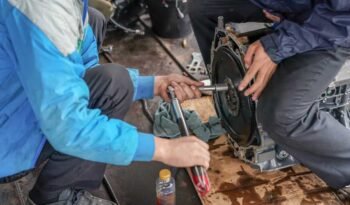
[[199, 174], [214, 88]]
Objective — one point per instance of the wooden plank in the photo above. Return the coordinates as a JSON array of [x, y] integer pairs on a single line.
[[236, 183]]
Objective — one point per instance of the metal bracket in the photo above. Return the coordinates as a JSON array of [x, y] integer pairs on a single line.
[[196, 68]]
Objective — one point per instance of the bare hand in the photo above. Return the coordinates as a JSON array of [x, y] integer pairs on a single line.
[[185, 88], [260, 67], [182, 152], [272, 17]]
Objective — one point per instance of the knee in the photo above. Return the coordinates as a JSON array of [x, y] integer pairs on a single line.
[[117, 80], [111, 89]]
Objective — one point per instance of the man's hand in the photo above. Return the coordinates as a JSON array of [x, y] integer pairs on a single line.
[[185, 88], [182, 152], [260, 67]]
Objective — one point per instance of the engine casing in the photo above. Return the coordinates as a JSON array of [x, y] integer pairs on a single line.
[[249, 141]]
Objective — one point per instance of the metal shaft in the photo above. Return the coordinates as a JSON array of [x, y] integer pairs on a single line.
[[214, 88], [199, 174]]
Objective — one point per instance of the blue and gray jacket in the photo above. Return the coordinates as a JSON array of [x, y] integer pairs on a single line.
[[46, 46], [307, 25]]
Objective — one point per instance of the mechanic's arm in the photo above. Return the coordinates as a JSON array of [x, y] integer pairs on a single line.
[[53, 82], [146, 87], [59, 97], [183, 152], [328, 24]]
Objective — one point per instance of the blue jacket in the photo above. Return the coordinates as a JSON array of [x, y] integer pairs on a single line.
[[45, 49], [307, 25]]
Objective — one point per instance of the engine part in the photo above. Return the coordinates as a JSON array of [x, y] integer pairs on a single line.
[[196, 67], [214, 88], [247, 136]]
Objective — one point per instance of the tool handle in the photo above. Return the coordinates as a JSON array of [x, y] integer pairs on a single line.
[[199, 174], [200, 179]]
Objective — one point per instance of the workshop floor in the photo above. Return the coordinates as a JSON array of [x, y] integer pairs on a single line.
[[135, 184]]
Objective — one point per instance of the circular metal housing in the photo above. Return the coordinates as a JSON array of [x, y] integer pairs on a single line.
[[236, 110]]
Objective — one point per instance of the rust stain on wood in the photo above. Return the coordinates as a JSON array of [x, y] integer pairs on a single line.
[[236, 183]]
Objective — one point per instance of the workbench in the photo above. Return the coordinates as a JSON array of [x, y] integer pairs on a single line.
[[236, 183]]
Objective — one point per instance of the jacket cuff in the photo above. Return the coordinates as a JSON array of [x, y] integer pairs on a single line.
[[271, 48], [145, 88], [145, 148]]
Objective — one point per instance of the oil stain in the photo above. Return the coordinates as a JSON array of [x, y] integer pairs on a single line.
[[229, 153], [244, 191], [217, 171], [214, 147]]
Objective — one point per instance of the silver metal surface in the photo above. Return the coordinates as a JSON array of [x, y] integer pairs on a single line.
[[254, 147], [214, 88], [196, 67]]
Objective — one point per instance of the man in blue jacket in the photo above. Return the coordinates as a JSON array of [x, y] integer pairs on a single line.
[[292, 67], [57, 104]]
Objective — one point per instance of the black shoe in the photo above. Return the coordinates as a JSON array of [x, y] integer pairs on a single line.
[[76, 197]]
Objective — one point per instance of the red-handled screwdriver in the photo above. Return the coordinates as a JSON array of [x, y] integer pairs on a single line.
[[199, 175]]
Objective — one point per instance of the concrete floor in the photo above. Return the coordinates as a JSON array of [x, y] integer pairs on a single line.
[[134, 184]]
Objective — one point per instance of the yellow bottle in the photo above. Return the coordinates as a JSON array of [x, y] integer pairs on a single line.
[[165, 187]]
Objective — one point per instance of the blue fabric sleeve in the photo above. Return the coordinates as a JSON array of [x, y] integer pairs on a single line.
[[327, 26], [59, 97], [143, 85], [89, 50], [145, 88], [145, 148]]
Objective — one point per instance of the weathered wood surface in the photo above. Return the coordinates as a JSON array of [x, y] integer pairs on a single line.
[[236, 183]]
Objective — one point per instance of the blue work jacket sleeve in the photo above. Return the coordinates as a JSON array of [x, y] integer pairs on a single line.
[[54, 85], [143, 85], [327, 26], [144, 88], [89, 51]]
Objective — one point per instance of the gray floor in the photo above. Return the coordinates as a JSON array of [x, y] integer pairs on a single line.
[[134, 184]]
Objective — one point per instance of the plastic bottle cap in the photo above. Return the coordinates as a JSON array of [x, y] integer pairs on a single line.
[[164, 174]]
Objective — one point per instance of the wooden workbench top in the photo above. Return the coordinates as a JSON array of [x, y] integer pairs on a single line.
[[236, 183]]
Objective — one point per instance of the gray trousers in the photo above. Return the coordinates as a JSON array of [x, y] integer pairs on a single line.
[[98, 24], [289, 113], [287, 108]]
